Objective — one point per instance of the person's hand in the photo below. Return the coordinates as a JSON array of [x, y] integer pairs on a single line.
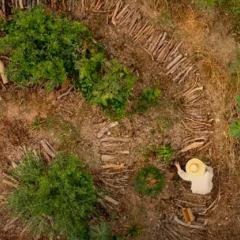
[[177, 165]]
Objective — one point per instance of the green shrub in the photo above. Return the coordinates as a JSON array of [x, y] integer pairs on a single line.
[[101, 232], [148, 98], [45, 50], [43, 47], [103, 82], [54, 200], [149, 181]]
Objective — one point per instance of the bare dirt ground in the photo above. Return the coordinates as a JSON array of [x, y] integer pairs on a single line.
[[70, 124]]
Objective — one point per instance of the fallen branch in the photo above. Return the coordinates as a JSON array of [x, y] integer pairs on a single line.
[[66, 93]]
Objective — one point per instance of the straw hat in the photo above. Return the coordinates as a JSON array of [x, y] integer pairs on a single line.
[[195, 167]]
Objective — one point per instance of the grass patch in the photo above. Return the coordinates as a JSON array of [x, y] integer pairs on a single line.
[[149, 181], [234, 129], [54, 200]]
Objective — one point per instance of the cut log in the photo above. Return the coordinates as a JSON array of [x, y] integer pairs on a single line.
[[188, 215]]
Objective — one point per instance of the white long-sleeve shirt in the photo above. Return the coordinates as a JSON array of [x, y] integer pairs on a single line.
[[200, 184]]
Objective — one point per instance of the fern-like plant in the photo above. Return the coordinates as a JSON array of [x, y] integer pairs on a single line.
[[54, 200]]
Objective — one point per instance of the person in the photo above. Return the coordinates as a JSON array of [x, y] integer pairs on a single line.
[[198, 174]]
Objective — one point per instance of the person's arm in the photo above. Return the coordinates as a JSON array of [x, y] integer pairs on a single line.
[[210, 171], [182, 173]]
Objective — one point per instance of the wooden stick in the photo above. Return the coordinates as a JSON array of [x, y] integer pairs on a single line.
[[177, 220], [115, 13]]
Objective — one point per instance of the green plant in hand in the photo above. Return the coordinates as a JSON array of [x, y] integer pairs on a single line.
[[54, 200], [149, 181], [148, 98]]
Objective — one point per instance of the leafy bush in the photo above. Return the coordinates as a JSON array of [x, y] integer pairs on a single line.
[[149, 181], [43, 48], [105, 83], [148, 98], [54, 200]]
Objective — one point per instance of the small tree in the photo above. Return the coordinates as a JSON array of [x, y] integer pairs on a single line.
[[54, 200]]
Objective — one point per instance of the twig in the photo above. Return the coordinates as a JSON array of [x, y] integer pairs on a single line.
[[66, 93]]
